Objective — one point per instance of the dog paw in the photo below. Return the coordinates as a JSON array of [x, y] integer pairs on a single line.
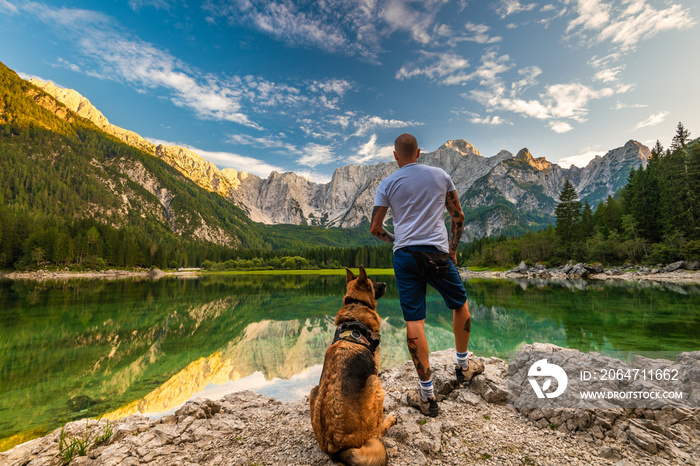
[[390, 419]]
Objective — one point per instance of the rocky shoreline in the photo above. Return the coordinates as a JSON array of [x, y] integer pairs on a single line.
[[112, 274], [681, 272], [476, 425]]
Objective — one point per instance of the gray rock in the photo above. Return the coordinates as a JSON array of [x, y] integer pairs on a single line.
[[594, 268], [692, 265], [521, 268], [675, 266], [579, 271]]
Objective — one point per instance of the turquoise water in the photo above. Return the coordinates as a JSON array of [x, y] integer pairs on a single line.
[[71, 349]]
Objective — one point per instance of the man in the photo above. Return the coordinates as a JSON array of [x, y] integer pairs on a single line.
[[417, 195]]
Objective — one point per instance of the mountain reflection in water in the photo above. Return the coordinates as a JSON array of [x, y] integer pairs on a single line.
[[71, 349]]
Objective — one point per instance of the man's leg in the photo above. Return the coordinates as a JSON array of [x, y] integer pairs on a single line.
[[418, 348], [424, 398], [462, 327], [467, 367]]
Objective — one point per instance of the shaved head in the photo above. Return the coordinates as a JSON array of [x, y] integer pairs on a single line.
[[406, 145]]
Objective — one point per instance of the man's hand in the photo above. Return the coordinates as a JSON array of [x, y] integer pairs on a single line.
[[377, 225], [457, 216]]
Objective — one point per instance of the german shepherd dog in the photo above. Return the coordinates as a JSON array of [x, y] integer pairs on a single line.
[[347, 405]]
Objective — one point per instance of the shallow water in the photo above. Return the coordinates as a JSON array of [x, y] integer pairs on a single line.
[[71, 349]]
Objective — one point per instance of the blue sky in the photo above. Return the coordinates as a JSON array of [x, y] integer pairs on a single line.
[[308, 86]]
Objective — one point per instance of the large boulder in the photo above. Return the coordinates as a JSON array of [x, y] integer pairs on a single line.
[[579, 271], [521, 268], [675, 266]]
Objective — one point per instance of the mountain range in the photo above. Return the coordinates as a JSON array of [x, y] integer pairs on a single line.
[[503, 193]]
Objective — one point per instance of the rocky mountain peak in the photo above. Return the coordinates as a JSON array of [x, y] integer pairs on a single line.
[[74, 101], [632, 151], [539, 163], [460, 145]]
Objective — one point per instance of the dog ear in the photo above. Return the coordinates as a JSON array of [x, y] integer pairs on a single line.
[[349, 276], [379, 289], [363, 274]]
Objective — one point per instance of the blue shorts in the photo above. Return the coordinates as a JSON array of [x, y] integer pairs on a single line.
[[411, 283]]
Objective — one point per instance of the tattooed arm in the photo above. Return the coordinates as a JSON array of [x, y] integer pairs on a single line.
[[377, 226], [457, 216]]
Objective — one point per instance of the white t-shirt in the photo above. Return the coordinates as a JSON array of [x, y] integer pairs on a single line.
[[416, 195]]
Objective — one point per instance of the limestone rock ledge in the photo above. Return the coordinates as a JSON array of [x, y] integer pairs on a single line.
[[475, 425]]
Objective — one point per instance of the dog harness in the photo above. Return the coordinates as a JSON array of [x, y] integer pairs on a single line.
[[357, 332]]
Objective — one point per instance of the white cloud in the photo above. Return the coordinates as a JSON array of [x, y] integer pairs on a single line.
[[227, 159], [570, 100], [263, 142], [121, 57], [366, 124], [312, 128], [447, 68], [560, 127], [559, 101], [653, 120], [347, 27], [416, 18], [620, 106], [137, 5], [316, 154], [579, 160], [493, 121], [371, 152], [477, 33], [625, 24], [592, 14], [8, 7], [511, 7], [110, 53], [608, 75], [529, 75], [334, 86]]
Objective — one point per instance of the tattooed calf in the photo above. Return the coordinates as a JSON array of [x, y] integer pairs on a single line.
[[424, 373]]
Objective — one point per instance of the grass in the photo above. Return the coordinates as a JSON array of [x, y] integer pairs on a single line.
[[474, 268], [71, 448]]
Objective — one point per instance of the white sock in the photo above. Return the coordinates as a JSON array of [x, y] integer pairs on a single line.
[[426, 388], [463, 359]]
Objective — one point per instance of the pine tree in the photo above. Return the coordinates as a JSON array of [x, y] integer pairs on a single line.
[[568, 214], [657, 151], [587, 221], [681, 138]]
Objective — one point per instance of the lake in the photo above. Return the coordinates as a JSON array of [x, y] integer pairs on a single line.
[[78, 348]]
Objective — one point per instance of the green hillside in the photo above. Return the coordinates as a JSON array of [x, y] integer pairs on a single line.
[[73, 195]]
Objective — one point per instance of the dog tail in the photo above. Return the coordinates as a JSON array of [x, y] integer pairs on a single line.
[[372, 453]]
